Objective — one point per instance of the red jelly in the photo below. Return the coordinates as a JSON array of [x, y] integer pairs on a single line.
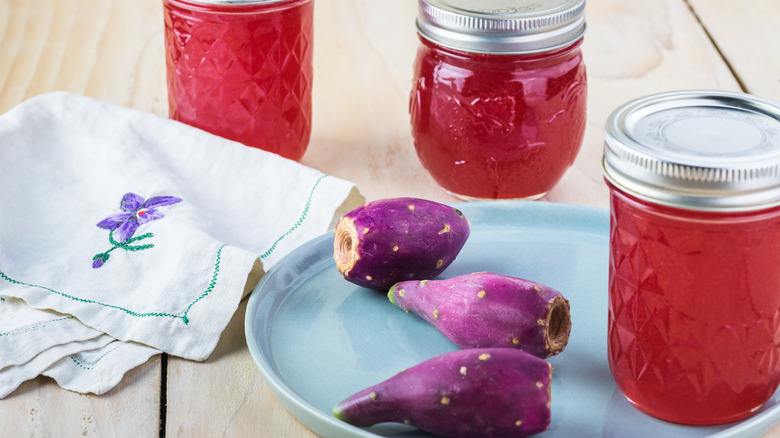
[[694, 265], [242, 69], [499, 96]]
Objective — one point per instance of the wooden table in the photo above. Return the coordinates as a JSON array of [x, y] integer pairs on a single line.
[[113, 50]]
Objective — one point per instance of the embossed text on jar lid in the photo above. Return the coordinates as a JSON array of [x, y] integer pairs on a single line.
[[502, 26], [700, 150]]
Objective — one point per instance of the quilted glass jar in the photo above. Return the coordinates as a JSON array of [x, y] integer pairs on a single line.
[[499, 94], [242, 69], [694, 264]]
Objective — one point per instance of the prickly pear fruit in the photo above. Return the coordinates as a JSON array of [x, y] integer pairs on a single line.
[[490, 310], [475, 393], [397, 239]]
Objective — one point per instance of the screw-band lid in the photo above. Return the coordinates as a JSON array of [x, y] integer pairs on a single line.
[[700, 150], [504, 26]]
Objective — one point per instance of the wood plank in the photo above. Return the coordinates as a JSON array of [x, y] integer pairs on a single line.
[[633, 49], [226, 394], [363, 79], [746, 33], [109, 50], [40, 408], [741, 30], [113, 51], [363, 58], [362, 65], [363, 62]]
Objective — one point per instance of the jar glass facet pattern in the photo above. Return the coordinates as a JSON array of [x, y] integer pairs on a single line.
[[498, 115], [694, 264], [242, 70]]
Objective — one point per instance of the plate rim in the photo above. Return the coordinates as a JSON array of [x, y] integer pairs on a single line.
[[327, 425]]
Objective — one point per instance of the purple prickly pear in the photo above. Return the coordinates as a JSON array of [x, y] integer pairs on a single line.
[[398, 239], [490, 310], [475, 393]]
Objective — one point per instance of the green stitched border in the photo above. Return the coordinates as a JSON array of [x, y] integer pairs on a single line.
[[301, 218], [214, 275], [90, 365], [183, 316], [36, 326]]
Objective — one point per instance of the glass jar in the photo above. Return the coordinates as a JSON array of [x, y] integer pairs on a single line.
[[694, 264], [499, 94], [242, 69]]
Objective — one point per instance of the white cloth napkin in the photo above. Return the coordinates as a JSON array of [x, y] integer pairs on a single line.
[[123, 234]]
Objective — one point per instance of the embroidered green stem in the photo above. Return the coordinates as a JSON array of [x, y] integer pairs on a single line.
[[136, 211], [126, 245], [99, 259]]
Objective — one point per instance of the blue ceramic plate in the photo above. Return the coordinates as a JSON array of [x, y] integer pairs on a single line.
[[317, 338]]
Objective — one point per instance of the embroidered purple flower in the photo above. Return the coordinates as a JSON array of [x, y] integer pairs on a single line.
[[135, 212], [99, 259]]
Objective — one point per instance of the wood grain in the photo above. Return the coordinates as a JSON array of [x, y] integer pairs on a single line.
[[113, 50], [41, 409], [225, 395], [362, 78], [633, 49], [746, 34], [109, 50]]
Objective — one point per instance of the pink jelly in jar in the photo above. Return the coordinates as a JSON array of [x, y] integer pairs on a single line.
[[694, 265], [242, 69], [499, 94]]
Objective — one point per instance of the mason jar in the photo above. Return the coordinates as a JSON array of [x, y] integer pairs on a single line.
[[499, 94], [694, 263], [242, 69]]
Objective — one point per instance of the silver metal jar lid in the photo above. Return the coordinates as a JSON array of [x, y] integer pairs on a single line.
[[503, 26], [698, 150]]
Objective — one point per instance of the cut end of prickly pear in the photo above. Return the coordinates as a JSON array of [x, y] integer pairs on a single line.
[[345, 244], [391, 295], [558, 325], [337, 413]]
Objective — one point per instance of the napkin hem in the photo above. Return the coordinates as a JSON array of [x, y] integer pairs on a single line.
[[16, 344], [138, 314], [11, 378], [98, 375], [227, 281]]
